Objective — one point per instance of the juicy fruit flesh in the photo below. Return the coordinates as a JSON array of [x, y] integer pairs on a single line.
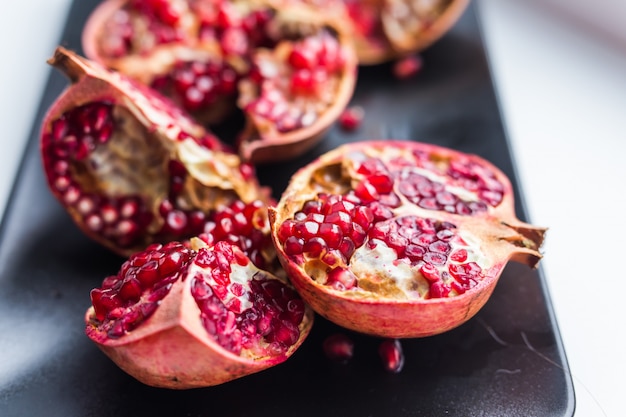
[[127, 299], [373, 232], [245, 310], [247, 227], [86, 144], [197, 85], [260, 313], [118, 179], [298, 83]]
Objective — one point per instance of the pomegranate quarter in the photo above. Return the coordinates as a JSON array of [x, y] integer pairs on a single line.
[[187, 316], [130, 167], [399, 239], [389, 29]]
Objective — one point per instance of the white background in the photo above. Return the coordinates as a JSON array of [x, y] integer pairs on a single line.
[[560, 72]]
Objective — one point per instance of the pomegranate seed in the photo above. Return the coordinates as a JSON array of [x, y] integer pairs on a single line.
[[407, 67], [439, 247], [390, 351], [338, 347], [331, 233], [430, 272], [303, 82], [351, 118], [293, 245], [460, 255], [302, 58], [381, 182], [341, 279], [314, 247], [439, 290]]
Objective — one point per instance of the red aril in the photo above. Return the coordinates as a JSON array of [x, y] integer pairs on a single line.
[[399, 239], [131, 168], [187, 316], [391, 355]]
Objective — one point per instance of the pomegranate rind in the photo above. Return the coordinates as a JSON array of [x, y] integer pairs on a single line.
[[214, 169], [171, 348], [394, 44], [500, 235]]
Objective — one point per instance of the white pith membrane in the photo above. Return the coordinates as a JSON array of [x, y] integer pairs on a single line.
[[378, 270]]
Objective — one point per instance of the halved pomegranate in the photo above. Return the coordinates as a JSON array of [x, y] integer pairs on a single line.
[[178, 316], [129, 167], [291, 64], [389, 29], [399, 239]]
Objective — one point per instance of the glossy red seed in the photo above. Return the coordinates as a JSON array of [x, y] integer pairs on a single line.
[[407, 67], [351, 118], [391, 355], [338, 347]]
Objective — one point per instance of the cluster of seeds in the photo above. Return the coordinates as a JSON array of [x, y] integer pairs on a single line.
[[197, 85], [329, 228], [124, 219], [434, 248], [243, 225], [293, 94], [238, 314], [127, 299]]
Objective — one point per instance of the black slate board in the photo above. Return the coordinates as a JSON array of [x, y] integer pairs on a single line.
[[507, 361]]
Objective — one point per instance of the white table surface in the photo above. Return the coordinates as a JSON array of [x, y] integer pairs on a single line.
[[560, 73]]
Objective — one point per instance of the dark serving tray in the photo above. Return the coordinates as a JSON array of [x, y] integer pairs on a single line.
[[507, 361]]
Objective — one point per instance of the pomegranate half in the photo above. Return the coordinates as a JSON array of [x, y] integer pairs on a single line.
[[130, 167], [399, 239], [188, 316]]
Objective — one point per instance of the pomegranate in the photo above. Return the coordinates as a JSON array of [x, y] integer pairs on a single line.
[[186, 316], [288, 66], [388, 29], [399, 239], [130, 168]]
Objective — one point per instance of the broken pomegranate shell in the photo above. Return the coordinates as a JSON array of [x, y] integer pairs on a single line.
[[187, 316], [130, 167], [296, 90], [389, 29], [289, 66], [399, 239]]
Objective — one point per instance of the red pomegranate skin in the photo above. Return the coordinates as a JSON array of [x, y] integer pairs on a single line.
[[387, 30], [172, 343], [393, 291]]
